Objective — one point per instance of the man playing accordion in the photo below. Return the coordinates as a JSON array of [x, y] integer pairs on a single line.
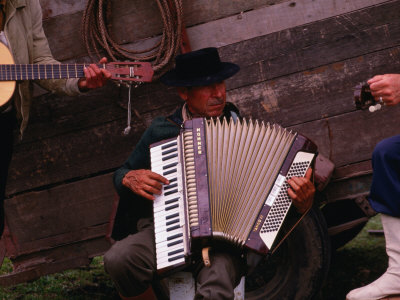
[[199, 77]]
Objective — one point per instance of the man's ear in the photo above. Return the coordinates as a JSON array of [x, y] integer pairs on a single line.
[[183, 93]]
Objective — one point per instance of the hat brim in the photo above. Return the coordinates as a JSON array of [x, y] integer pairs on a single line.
[[228, 69]]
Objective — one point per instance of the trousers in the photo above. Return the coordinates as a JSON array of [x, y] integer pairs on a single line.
[[385, 188], [132, 267]]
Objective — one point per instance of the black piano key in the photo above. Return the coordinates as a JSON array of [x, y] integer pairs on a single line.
[[169, 166], [173, 228], [170, 186], [171, 201], [172, 180], [169, 172], [163, 147], [176, 258], [169, 157], [171, 192], [169, 151], [175, 243], [172, 222], [172, 237], [172, 216], [172, 207], [175, 252]]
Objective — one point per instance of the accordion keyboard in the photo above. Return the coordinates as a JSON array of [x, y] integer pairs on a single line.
[[168, 208]]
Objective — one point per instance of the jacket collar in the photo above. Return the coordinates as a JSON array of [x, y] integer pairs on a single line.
[[17, 3], [12, 6]]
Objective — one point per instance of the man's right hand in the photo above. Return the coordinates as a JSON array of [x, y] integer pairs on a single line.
[[144, 183]]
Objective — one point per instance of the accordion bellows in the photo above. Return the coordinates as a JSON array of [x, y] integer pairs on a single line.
[[231, 182]]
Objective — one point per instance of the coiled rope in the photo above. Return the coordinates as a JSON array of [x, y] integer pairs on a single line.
[[97, 38]]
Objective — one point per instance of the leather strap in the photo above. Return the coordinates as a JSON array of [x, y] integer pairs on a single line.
[[205, 253]]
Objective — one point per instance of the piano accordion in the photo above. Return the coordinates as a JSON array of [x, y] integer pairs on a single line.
[[228, 181]]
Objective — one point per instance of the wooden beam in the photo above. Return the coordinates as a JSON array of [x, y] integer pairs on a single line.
[[56, 216]]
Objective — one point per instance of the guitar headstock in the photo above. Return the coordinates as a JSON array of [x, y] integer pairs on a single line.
[[364, 99], [130, 71]]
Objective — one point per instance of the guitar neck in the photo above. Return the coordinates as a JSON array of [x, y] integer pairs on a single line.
[[38, 71]]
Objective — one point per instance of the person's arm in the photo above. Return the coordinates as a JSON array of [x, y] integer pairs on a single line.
[[42, 55], [135, 173], [386, 87], [302, 192]]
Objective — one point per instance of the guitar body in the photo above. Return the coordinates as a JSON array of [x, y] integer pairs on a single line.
[[6, 87]]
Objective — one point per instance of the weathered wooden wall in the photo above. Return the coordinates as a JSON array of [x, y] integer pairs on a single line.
[[299, 63]]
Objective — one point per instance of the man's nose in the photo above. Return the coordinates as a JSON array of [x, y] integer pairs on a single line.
[[216, 91]]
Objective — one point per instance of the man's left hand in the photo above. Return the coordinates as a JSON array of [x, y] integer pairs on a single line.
[[94, 76], [302, 192]]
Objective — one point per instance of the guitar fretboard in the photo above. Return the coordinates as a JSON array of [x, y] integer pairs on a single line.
[[50, 71]]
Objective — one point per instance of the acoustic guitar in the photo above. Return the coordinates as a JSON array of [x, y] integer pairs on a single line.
[[10, 72]]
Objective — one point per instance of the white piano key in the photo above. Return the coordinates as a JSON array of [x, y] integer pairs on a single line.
[[173, 240], [171, 258], [166, 213], [168, 264], [162, 236], [170, 251]]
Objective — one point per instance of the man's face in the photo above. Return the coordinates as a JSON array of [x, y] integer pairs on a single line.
[[205, 101]]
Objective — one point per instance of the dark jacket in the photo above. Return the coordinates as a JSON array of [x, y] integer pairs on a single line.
[[131, 207]]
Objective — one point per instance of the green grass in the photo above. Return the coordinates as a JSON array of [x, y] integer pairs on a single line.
[[81, 284], [358, 263]]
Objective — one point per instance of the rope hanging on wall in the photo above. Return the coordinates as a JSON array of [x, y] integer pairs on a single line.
[[96, 37]]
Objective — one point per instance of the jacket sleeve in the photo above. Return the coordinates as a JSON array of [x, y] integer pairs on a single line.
[[41, 54], [138, 159]]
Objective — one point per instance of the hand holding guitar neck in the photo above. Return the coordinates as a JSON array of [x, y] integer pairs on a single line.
[[127, 72]]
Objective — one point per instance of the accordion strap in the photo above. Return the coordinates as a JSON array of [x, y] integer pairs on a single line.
[[205, 253]]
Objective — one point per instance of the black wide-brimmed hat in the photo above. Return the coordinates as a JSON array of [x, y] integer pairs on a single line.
[[198, 68]]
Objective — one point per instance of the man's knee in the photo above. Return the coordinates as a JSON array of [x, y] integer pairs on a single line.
[[114, 260]]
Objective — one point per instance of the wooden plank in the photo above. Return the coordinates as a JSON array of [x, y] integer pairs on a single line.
[[270, 19], [31, 267], [199, 10], [128, 21], [312, 95], [131, 21], [53, 8], [349, 189], [316, 44], [54, 115], [352, 170], [350, 138], [60, 215], [75, 154], [40, 244]]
